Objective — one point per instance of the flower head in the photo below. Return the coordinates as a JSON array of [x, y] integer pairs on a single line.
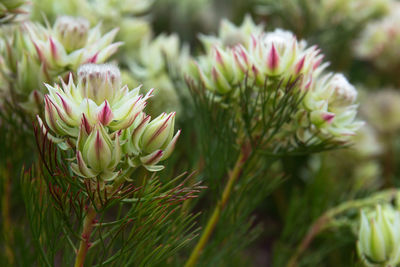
[[150, 142], [272, 60], [230, 35], [72, 32], [71, 43], [380, 40], [331, 104], [382, 110], [98, 97], [105, 125]]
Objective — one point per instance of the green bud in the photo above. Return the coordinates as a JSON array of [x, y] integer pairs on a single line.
[[379, 237]]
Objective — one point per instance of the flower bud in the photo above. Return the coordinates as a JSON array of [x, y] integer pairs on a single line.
[[72, 32], [158, 133], [99, 82], [330, 102], [230, 35], [379, 238], [380, 40], [152, 141], [343, 93], [97, 154]]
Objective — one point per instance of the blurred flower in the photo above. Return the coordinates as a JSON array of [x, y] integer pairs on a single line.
[[156, 58], [132, 32], [230, 35], [331, 103], [380, 41], [151, 141], [382, 110], [34, 55], [70, 43], [379, 237], [366, 143]]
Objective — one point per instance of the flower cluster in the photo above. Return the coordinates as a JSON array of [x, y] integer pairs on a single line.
[[127, 15], [379, 237], [70, 43], [380, 41], [36, 54], [104, 123], [273, 59]]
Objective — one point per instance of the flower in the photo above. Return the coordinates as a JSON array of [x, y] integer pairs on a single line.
[[105, 125], [220, 69], [98, 97], [379, 237], [150, 142], [156, 59], [275, 54], [70, 43], [230, 35], [274, 61], [330, 102], [380, 40], [382, 110], [281, 55]]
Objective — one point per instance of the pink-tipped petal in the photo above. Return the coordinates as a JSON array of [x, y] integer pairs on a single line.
[[328, 117], [98, 145], [300, 65], [171, 146], [66, 107], [53, 48], [152, 158], [218, 56], [273, 58], [105, 114], [86, 124], [92, 59]]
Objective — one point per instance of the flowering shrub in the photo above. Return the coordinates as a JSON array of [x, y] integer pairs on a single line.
[[162, 133]]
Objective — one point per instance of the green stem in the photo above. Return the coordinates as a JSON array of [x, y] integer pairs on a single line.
[[85, 241], [213, 220]]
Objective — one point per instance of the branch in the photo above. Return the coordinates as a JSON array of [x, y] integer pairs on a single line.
[[212, 222], [85, 241]]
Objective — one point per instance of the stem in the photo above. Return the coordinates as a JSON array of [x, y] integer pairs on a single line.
[[213, 220], [86, 232], [7, 224]]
